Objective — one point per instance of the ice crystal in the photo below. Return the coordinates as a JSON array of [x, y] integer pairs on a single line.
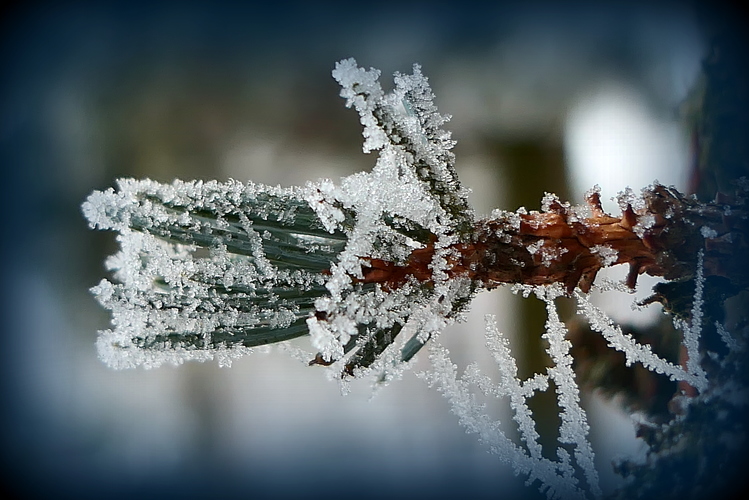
[[607, 254], [727, 338], [708, 232]]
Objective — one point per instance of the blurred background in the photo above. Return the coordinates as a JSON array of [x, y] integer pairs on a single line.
[[543, 98]]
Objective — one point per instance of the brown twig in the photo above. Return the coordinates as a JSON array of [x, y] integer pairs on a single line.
[[661, 237]]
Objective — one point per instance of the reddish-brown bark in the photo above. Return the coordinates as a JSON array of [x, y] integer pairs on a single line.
[[661, 238]]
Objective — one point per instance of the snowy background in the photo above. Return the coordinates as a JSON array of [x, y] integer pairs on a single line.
[[543, 98]]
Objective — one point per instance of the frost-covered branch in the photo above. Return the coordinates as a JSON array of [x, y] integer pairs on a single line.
[[373, 268], [348, 263], [220, 267]]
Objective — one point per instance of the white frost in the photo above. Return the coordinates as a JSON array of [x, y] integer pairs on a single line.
[[606, 254], [708, 232]]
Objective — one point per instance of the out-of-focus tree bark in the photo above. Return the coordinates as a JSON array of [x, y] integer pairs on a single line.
[[698, 459]]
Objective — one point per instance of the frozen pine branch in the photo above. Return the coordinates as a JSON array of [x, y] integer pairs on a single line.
[[221, 267], [373, 268]]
